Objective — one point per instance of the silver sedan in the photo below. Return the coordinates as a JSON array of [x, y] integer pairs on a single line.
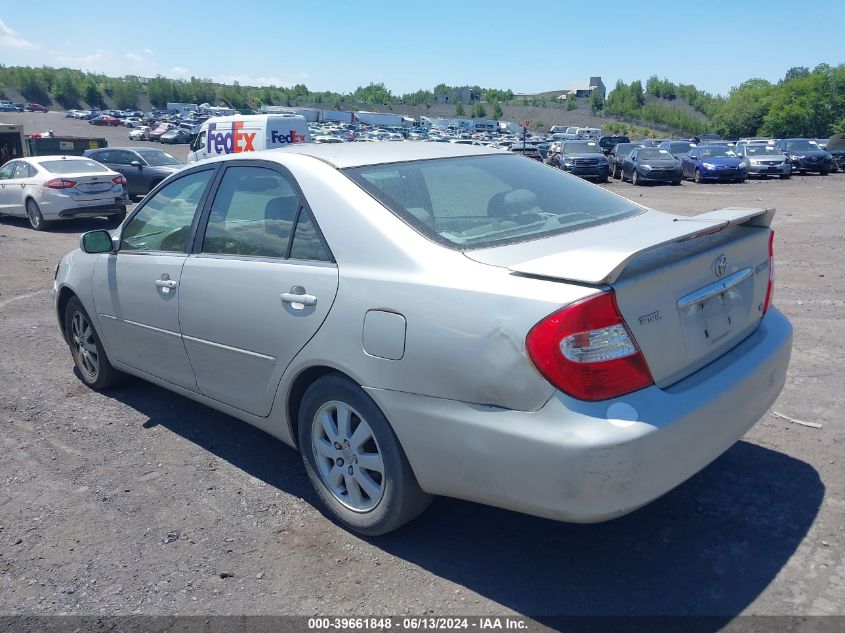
[[427, 319], [764, 160]]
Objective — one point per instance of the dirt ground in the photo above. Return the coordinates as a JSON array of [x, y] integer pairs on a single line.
[[140, 501]]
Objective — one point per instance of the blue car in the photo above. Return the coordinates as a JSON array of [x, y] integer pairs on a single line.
[[714, 162]]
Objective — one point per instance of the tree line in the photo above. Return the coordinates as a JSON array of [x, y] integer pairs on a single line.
[[804, 103]]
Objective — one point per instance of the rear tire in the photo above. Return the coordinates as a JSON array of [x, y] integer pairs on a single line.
[[697, 177], [785, 176], [33, 214], [87, 349], [824, 172], [617, 173], [335, 412], [675, 183]]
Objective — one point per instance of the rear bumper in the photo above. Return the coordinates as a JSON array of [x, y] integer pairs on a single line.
[[589, 462], [107, 209]]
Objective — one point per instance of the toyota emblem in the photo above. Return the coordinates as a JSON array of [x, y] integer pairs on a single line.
[[720, 265]]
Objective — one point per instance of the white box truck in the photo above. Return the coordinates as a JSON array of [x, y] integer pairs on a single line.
[[247, 133]]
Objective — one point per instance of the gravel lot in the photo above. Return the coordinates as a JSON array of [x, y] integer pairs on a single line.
[[140, 501]]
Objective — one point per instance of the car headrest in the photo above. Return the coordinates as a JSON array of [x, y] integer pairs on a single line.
[[510, 203]]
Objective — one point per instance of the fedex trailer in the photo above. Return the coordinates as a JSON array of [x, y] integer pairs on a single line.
[[248, 133]]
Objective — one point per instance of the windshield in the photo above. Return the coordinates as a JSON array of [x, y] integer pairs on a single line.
[[624, 148], [760, 150], [157, 157], [680, 148], [72, 166], [800, 144], [716, 151], [581, 148], [482, 201], [652, 153]]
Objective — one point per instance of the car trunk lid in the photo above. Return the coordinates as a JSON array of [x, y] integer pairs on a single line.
[[93, 187], [689, 288]]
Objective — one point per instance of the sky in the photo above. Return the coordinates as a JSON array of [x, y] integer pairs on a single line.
[[338, 45]]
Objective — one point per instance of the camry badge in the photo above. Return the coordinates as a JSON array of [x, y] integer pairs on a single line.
[[720, 265], [650, 317]]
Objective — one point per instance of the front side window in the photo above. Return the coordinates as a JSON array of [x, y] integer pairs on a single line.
[[199, 142], [482, 201], [164, 222], [253, 214]]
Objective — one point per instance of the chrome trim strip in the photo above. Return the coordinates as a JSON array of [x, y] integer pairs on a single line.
[[150, 327], [264, 357], [711, 290]]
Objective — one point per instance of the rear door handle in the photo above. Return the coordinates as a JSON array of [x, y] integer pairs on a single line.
[[165, 283], [297, 295]]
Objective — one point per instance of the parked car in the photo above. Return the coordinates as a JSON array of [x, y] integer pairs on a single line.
[[677, 148], [651, 164], [175, 136], [714, 162], [141, 133], [554, 384], [836, 149], [584, 159], [607, 143], [34, 107], [7, 107], [104, 119], [18, 107], [805, 155], [143, 167], [48, 188], [764, 160], [526, 149], [617, 155], [133, 122], [161, 129]]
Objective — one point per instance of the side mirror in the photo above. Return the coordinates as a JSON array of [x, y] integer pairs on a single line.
[[136, 163], [98, 241]]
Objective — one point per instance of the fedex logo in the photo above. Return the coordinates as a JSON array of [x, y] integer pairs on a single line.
[[293, 137], [232, 142]]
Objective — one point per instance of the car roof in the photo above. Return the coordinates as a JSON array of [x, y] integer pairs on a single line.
[[344, 155], [41, 159]]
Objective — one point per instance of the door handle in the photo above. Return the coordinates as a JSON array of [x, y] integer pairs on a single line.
[[297, 297], [165, 283]]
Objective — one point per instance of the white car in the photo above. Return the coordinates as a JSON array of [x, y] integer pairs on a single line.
[[133, 122], [140, 133], [47, 188]]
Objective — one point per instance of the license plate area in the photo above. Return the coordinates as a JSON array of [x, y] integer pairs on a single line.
[[711, 314]]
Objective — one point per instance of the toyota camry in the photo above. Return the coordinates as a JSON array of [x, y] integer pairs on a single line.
[[427, 319]]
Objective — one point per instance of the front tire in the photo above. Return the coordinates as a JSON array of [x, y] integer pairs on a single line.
[[697, 177], [87, 349], [785, 176], [354, 461], [33, 214], [635, 178]]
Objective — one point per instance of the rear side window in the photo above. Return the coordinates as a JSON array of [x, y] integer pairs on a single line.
[[306, 242], [482, 201], [73, 166], [253, 213], [164, 222]]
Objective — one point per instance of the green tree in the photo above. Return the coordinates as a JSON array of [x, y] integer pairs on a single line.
[[125, 92], [596, 101], [571, 102], [497, 111], [92, 95], [65, 89], [539, 125], [459, 109], [479, 111]]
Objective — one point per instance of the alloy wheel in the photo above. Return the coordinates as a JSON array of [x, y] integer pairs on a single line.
[[84, 345], [347, 456], [33, 214]]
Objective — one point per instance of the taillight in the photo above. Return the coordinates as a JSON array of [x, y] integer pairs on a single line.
[[60, 183], [771, 288], [119, 180], [587, 351]]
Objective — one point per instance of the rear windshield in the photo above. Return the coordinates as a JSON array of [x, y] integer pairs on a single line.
[[72, 166], [482, 201], [680, 148]]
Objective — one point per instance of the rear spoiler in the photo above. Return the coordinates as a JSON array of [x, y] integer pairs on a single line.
[[601, 260]]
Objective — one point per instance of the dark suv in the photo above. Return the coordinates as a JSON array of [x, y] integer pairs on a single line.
[[143, 167], [585, 159]]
